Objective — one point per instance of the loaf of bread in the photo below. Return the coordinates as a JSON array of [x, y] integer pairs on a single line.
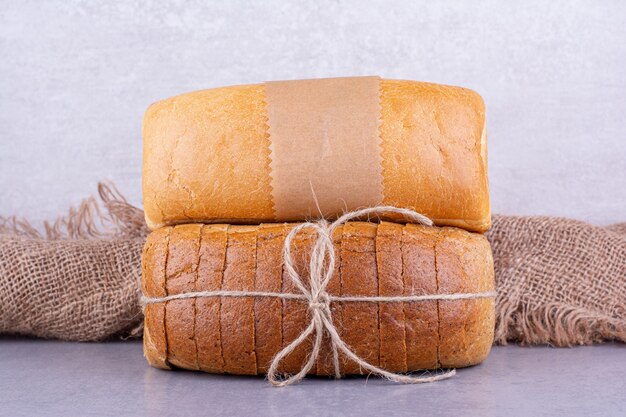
[[208, 156], [241, 335]]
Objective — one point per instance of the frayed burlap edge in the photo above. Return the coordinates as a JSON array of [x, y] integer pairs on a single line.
[[556, 324], [87, 221]]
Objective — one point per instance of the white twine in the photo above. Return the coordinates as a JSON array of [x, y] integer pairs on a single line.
[[321, 268]]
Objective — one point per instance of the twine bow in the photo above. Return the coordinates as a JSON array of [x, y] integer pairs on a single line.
[[321, 267]]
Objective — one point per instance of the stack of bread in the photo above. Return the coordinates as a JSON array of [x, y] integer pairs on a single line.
[[229, 172]]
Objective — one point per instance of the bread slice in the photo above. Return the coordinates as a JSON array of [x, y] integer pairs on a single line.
[[295, 314], [153, 277], [208, 335], [393, 352], [268, 311], [359, 276], [465, 265], [325, 362], [420, 278], [180, 315], [237, 314]]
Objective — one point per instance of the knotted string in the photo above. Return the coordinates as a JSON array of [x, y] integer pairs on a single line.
[[321, 268]]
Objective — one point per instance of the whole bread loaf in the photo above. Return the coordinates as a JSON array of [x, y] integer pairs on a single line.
[[207, 156], [242, 335]]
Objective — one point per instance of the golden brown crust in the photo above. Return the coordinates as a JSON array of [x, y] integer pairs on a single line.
[[390, 283], [181, 273], [387, 259], [432, 146], [359, 277], [432, 151], [418, 261], [237, 314], [153, 285], [268, 311], [194, 140], [212, 258], [466, 327]]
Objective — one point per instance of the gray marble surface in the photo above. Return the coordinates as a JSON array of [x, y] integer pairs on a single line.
[[48, 378]]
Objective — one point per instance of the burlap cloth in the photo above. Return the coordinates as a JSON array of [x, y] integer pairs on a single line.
[[559, 281], [79, 279]]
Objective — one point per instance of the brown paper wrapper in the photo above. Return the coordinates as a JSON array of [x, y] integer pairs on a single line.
[[325, 145]]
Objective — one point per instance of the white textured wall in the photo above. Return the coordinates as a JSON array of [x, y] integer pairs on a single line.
[[76, 76]]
